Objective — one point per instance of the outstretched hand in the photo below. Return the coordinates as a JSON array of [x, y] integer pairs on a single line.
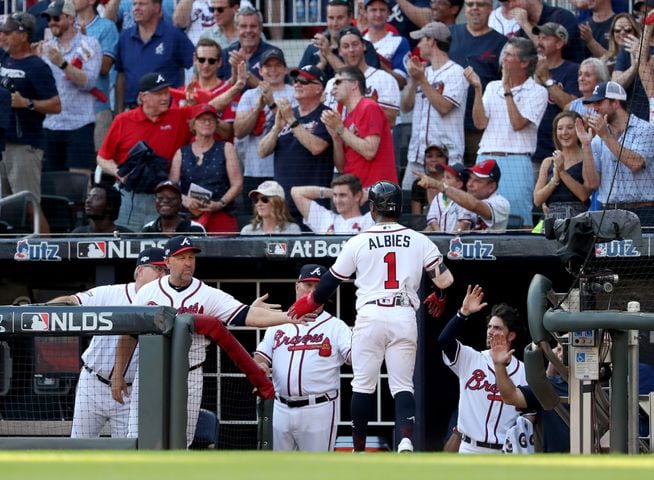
[[473, 301], [261, 303], [499, 349]]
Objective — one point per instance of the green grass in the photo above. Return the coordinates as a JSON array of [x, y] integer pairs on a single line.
[[87, 465]]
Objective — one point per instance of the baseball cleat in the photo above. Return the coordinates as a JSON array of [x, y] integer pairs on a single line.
[[405, 446]]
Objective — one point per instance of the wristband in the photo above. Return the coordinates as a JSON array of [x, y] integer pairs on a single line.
[[63, 65], [461, 315], [340, 130], [296, 123], [508, 94], [272, 106]]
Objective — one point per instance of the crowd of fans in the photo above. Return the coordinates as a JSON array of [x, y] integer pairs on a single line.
[[518, 110]]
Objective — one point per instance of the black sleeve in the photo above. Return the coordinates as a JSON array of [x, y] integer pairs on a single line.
[[240, 317], [326, 288], [448, 337], [533, 405]]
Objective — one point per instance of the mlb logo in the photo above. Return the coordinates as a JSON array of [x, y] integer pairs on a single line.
[[92, 250], [35, 322], [276, 249]]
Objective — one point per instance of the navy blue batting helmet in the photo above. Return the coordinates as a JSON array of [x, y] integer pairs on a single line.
[[387, 198]]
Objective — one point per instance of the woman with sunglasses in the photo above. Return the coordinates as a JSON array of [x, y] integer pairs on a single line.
[[622, 26], [212, 165], [561, 186], [271, 215]]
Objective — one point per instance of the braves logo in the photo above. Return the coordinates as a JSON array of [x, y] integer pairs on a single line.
[[478, 382], [195, 308], [303, 342]]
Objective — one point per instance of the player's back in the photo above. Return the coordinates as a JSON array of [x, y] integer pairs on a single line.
[[388, 259]]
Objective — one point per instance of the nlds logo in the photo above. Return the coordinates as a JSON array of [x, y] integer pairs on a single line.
[[477, 250], [66, 322], [616, 248], [45, 251]]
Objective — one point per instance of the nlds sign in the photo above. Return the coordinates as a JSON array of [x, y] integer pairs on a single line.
[[66, 322]]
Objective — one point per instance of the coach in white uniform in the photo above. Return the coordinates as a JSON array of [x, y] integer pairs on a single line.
[[306, 361], [190, 295], [388, 260], [484, 418], [94, 405]]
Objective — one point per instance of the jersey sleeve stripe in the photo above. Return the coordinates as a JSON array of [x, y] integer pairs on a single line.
[[233, 315], [263, 355], [434, 263], [338, 275], [79, 299]]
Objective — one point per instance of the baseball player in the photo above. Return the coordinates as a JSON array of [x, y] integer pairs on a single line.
[[190, 295], [306, 361], [388, 260], [484, 417], [94, 405]]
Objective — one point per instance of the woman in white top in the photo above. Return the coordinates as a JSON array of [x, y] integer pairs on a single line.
[[271, 215]]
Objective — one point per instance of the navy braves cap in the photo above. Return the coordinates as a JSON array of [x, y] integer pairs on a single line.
[[272, 53], [611, 90], [153, 82], [311, 73], [311, 273], [179, 244], [151, 256], [457, 170]]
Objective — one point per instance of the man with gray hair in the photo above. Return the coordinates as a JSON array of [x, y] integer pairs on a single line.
[[510, 110]]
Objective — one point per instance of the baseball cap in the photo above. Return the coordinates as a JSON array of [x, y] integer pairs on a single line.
[[311, 273], [368, 2], [552, 29], [269, 188], [179, 244], [272, 53], [203, 108], [58, 7], [168, 184], [457, 170], [153, 82], [151, 256], [19, 22], [487, 169], [339, 3], [310, 72], [349, 31], [442, 148], [612, 90], [435, 30]]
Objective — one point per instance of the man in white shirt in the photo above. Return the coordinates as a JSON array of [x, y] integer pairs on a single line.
[[437, 95], [346, 194], [510, 111]]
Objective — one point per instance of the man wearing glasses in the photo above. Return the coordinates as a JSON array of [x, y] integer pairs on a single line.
[[75, 61], [302, 147], [33, 94], [224, 31], [94, 405], [363, 145]]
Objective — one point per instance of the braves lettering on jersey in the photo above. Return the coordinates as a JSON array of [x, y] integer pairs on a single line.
[[306, 362], [196, 298], [94, 405], [483, 416], [446, 214], [391, 252], [322, 220], [499, 219]]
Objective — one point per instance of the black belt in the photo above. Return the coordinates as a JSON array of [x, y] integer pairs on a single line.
[[503, 154], [493, 446], [101, 378], [302, 403], [397, 301], [195, 367], [627, 206]]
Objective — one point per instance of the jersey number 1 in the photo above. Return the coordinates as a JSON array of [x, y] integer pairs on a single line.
[[391, 282]]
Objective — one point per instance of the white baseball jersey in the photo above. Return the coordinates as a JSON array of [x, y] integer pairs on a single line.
[[483, 416], [306, 359], [395, 49], [197, 298], [432, 128], [380, 86], [388, 259], [324, 221], [520, 437], [94, 405], [445, 213], [499, 219]]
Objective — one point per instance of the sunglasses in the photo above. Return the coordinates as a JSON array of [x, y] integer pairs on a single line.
[[477, 4], [54, 18], [338, 81], [217, 9], [262, 198], [303, 81], [212, 61], [624, 29]]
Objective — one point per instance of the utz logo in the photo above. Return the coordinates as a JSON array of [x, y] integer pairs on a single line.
[[476, 250], [35, 322], [92, 250], [42, 251], [616, 248]]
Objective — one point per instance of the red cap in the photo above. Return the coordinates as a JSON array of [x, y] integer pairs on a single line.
[[203, 108], [487, 169]]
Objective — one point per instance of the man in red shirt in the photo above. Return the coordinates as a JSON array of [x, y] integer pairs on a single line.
[[363, 144]]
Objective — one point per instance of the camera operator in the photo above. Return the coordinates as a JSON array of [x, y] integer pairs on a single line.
[[33, 94]]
